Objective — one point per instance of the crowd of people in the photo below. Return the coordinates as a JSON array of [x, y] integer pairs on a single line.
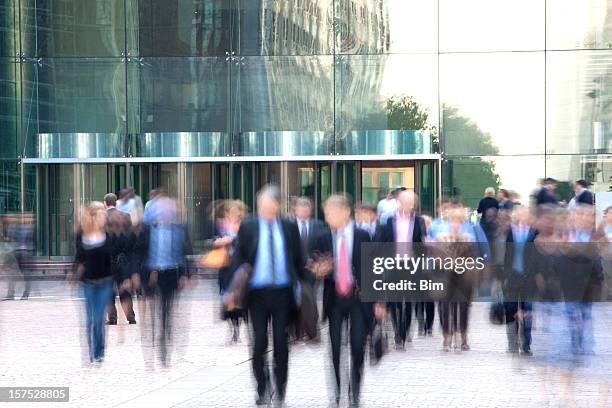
[[268, 263]]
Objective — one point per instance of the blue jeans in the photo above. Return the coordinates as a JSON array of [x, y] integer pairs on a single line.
[[96, 295]]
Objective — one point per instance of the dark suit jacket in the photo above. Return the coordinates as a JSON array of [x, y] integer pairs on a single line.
[[247, 242], [387, 231], [546, 196], [509, 255], [324, 244], [586, 198], [314, 228]]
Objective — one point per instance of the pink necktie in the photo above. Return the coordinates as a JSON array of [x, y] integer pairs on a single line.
[[343, 282]]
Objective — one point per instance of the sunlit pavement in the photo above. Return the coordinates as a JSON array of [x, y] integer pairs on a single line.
[[41, 344]]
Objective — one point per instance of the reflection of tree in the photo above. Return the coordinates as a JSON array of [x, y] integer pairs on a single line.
[[467, 177], [462, 136], [404, 113]]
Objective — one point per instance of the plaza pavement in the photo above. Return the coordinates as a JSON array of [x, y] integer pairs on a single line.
[[41, 344]]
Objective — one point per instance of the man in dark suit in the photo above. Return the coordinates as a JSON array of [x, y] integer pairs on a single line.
[[307, 225], [118, 221], [341, 300], [406, 225], [547, 194], [583, 194], [271, 246], [517, 282]]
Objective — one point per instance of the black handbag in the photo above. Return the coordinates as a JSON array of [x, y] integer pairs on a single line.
[[497, 313], [379, 344]]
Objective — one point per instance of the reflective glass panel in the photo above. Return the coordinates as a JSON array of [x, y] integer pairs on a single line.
[[578, 24], [183, 28], [9, 186], [9, 100], [69, 28], [9, 30], [486, 25], [468, 177], [493, 103], [282, 106], [74, 108], [578, 93], [386, 104], [567, 169], [285, 27], [386, 26], [183, 107]]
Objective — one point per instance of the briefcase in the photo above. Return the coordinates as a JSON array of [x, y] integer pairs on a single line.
[[307, 312], [235, 296]]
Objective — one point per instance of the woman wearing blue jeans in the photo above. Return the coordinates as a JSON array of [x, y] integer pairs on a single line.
[[93, 270]]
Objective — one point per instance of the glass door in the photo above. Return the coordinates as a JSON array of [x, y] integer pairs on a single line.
[[378, 178]]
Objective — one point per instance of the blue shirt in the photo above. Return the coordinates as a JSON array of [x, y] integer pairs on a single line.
[[520, 233], [166, 243], [264, 274]]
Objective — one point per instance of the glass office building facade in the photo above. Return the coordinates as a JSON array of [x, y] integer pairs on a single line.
[[213, 98]]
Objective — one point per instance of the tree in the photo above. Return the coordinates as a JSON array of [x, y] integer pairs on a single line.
[[467, 176]]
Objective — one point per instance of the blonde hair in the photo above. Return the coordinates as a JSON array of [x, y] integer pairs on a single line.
[[489, 192], [93, 218]]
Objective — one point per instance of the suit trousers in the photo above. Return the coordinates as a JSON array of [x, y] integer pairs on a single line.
[[401, 317], [350, 309], [275, 304]]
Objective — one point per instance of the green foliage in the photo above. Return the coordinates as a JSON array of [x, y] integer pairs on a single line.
[[463, 137]]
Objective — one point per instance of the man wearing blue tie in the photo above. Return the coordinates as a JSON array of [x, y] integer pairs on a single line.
[[270, 245]]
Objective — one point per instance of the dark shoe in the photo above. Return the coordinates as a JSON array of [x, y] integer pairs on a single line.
[[527, 352], [9, 298], [111, 322], [131, 322], [465, 347], [262, 400], [25, 296]]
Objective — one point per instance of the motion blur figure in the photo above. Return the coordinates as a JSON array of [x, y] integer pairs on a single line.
[[341, 299], [271, 246], [20, 232], [119, 228], [229, 214], [367, 219], [168, 245], [517, 281], [405, 226], [454, 309], [93, 270]]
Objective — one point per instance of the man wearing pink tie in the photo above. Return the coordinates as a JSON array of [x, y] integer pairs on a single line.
[[339, 265]]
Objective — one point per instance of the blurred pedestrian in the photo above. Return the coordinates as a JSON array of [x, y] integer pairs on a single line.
[[168, 268], [93, 270], [119, 227], [547, 194], [457, 242], [342, 242], [270, 245], [387, 206], [517, 281], [230, 214], [405, 226], [582, 195], [367, 219], [504, 198], [20, 233]]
